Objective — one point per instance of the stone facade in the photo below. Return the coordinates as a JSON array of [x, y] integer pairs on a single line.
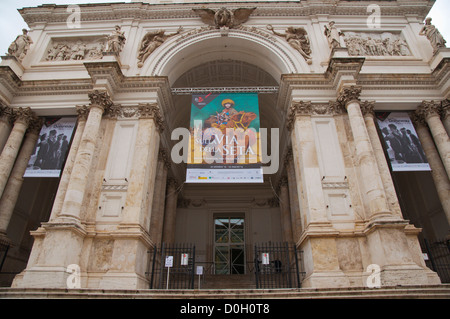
[[119, 194]]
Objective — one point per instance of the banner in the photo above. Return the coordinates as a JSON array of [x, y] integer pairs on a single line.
[[51, 148], [225, 139], [401, 142]]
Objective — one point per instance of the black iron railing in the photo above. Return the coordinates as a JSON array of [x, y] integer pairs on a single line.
[[277, 265], [438, 253]]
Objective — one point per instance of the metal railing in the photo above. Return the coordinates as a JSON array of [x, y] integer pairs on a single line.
[[277, 265], [438, 253]]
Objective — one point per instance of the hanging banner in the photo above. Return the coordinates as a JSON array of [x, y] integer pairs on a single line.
[[51, 148], [401, 142], [225, 139]]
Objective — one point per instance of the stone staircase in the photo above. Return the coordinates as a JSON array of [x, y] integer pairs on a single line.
[[229, 282], [398, 292]]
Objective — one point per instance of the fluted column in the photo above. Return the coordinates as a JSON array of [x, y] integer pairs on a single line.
[[83, 112], [5, 124], [12, 146], [286, 226], [429, 111], [367, 108], [438, 173], [170, 211], [374, 192], [76, 187], [15, 181], [159, 195]]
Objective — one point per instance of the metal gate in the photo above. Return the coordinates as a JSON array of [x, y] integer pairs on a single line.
[[277, 265], [438, 253], [171, 266]]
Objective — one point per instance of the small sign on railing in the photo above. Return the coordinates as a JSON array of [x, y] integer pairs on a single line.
[[265, 259]]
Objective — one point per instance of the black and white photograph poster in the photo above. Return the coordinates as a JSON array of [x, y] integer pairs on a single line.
[[51, 149], [401, 142]]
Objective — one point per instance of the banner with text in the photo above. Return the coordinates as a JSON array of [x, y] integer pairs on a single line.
[[401, 142], [225, 139], [51, 149]]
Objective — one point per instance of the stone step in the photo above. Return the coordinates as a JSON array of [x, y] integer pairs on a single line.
[[229, 282], [398, 292]]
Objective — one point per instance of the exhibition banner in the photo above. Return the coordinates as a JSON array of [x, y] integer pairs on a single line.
[[51, 149], [401, 142], [224, 139]]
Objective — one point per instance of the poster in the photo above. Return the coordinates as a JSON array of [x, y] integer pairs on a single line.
[[51, 149], [401, 142], [225, 139]]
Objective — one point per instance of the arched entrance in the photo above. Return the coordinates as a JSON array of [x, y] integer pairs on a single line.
[[209, 215]]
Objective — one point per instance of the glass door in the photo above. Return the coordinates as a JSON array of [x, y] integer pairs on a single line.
[[229, 245]]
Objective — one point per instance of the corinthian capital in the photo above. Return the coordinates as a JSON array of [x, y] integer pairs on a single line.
[[367, 108], [35, 125], [428, 109], [349, 94], [298, 108], [445, 108], [100, 99], [6, 114], [151, 110], [23, 115]]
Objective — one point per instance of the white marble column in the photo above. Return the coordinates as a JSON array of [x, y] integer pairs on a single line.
[[76, 187], [12, 146], [15, 181], [367, 109], [286, 224], [370, 177], [83, 112], [5, 125], [170, 211], [440, 178], [429, 111]]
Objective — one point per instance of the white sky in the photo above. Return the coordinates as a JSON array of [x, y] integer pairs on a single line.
[[11, 22]]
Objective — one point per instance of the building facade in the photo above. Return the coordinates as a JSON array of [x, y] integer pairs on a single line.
[[324, 70]]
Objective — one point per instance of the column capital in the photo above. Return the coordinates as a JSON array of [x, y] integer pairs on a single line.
[[82, 112], [367, 108], [100, 99], [428, 109], [307, 108], [23, 115], [152, 111], [35, 125], [349, 94], [445, 108], [6, 113]]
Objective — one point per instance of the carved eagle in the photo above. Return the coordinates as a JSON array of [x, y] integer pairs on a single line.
[[224, 18]]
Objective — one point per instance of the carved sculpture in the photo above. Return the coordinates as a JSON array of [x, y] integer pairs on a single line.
[[224, 18], [116, 40], [376, 44], [151, 41], [333, 35], [432, 33], [20, 46], [79, 50], [298, 39]]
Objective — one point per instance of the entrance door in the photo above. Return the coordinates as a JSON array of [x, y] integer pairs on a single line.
[[229, 245]]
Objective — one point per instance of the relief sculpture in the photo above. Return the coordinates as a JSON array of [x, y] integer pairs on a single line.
[[376, 44]]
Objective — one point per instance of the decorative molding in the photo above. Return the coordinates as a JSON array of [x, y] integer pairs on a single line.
[[349, 94], [151, 110], [308, 109], [100, 99], [428, 109]]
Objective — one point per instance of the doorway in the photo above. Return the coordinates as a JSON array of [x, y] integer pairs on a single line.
[[229, 245]]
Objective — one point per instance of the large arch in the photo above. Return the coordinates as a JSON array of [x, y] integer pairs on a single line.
[[178, 55]]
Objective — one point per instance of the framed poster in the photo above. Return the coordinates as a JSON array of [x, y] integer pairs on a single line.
[[225, 139], [401, 143], [52, 147]]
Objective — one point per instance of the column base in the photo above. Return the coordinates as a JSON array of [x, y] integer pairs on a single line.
[[120, 280], [326, 279]]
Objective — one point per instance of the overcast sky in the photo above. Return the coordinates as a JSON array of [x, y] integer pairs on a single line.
[[11, 23]]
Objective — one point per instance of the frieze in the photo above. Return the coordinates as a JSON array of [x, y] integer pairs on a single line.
[[76, 49], [376, 44]]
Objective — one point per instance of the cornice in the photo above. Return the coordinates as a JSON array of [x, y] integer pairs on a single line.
[[117, 11]]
